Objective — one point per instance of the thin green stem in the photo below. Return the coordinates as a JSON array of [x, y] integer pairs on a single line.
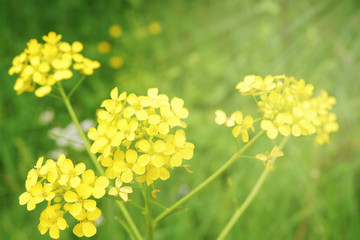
[[158, 204], [94, 160], [126, 227], [254, 191], [211, 178], [78, 127], [244, 205], [129, 220], [76, 86], [148, 214], [54, 96]]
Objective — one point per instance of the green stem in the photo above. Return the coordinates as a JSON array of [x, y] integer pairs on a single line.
[[126, 227], [76, 86], [254, 191], [148, 214], [244, 205], [94, 160], [129, 220], [202, 185], [78, 127]]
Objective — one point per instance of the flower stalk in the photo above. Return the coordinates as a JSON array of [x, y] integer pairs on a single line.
[[78, 127], [148, 214], [75, 120], [202, 185], [254, 191]]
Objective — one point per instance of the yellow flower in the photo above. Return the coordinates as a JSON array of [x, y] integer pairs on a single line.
[[121, 191], [281, 124], [287, 106], [134, 136], [115, 30], [69, 172], [153, 173], [249, 85], [135, 107], [275, 153], [97, 184], [79, 199], [240, 125], [66, 188], [116, 62], [40, 66], [179, 148], [34, 196], [153, 152], [127, 130], [154, 28], [87, 66], [103, 47], [86, 227], [221, 118], [267, 157], [130, 165], [51, 219], [153, 99], [106, 137]]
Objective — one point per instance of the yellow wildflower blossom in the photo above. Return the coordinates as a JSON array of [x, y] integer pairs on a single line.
[[275, 153], [41, 65], [52, 220], [240, 125], [67, 188], [289, 107], [134, 136], [97, 184], [267, 157], [120, 190], [79, 199], [69, 172], [86, 226]]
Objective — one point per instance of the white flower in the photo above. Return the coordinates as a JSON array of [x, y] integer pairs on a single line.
[[69, 136]]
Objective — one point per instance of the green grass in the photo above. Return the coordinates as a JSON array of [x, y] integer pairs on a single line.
[[205, 48]]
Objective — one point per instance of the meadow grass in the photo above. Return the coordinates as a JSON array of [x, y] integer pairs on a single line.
[[204, 49]]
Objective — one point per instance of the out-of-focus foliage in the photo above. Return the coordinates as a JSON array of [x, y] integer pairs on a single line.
[[198, 51]]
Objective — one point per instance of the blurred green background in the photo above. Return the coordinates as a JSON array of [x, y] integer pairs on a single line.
[[203, 50]]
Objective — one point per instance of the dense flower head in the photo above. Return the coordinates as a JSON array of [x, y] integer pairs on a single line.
[[140, 137], [288, 107], [41, 65], [67, 188]]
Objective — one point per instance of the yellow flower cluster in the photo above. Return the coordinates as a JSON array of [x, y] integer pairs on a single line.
[[66, 188], [134, 137], [289, 107], [240, 125], [45, 64]]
